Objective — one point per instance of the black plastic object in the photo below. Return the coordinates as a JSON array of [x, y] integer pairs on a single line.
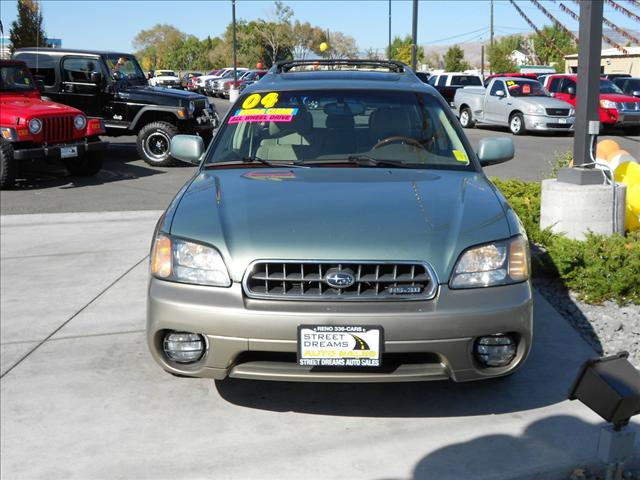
[[610, 386], [391, 65]]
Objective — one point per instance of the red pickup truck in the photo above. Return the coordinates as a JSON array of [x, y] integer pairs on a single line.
[[616, 108], [32, 128]]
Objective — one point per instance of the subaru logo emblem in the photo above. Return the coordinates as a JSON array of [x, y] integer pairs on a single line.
[[337, 278]]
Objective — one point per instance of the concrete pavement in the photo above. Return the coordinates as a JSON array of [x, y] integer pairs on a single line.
[[81, 398]]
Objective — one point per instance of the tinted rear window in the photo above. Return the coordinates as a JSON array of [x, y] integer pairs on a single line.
[[466, 81]]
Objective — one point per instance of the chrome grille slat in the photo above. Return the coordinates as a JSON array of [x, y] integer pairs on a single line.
[[304, 280]]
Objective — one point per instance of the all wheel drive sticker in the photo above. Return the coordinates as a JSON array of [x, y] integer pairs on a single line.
[[251, 111]]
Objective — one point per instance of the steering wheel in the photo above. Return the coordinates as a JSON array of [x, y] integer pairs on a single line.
[[407, 140]]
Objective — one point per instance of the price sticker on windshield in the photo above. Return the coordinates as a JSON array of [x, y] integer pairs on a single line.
[[268, 101]]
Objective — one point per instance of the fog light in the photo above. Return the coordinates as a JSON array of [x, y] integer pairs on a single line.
[[495, 350], [183, 347]]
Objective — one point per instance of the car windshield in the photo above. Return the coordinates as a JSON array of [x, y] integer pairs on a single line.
[[525, 88], [125, 68], [324, 127], [15, 78], [632, 85], [165, 73], [607, 86], [466, 81]]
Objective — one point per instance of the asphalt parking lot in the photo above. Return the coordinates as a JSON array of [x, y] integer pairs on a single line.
[[81, 398], [127, 183]]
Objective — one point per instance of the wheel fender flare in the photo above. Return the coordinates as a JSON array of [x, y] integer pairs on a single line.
[[153, 108]]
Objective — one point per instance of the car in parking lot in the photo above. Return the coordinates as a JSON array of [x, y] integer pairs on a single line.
[[628, 85], [32, 128], [250, 78], [164, 78], [215, 86], [447, 83], [521, 104], [616, 109], [340, 228], [186, 78], [112, 86]]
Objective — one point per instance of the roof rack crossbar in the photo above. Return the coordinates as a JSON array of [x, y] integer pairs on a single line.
[[392, 65]]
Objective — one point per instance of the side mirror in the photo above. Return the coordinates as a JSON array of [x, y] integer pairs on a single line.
[[40, 85], [501, 93], [571, 91], [96, 77], [494, 150], [188, 148]]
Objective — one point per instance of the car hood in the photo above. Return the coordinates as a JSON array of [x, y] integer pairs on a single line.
[[23, 106], [546, 102], [618, 97], [164, 78], [169, 96], [340, 214]]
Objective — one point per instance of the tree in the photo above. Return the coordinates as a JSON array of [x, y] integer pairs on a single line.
[[547, 53], [306, 38], [454, 60], [26, 30], [401, 50], [433, 60], [277, 34], [499, 54], [153, 45], [341, 46]]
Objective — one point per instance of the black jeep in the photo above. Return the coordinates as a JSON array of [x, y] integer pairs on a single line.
[[112, 86]]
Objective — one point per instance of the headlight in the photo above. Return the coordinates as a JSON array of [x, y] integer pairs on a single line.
[[191, 108], [537, 109], [608, 104], [188, 262], [9, 134], [497, 263], [79, 121], [35, 125]]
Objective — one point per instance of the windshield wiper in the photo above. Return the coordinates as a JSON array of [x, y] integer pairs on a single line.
[[367, 161], [255, 158]]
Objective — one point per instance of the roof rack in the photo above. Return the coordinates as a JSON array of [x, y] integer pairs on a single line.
[[391, 65]]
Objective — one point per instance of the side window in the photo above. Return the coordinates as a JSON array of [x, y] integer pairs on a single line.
[[442, 80], [79, 70], [568, 83], [554, 86], [42, 67], [497, 85], [432, 80]]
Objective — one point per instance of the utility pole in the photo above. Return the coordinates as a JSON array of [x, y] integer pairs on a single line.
[[490, 32], [389, 51], [414, 41], [482, 61], [233, 19], [586, 126]]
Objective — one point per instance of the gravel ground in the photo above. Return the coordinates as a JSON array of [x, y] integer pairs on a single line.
[[608, 328]]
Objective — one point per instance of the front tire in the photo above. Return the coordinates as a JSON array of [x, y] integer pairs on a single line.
[[8, 165], [154, 143], [516, 124], [466, 119]]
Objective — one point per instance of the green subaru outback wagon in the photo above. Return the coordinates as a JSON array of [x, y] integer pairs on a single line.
[[339, 228]]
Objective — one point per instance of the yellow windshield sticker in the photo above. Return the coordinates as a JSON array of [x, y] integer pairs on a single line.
[[252, 101], [460, 156], [511, 83]]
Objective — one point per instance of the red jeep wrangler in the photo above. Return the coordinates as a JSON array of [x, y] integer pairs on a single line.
[[32, 128]]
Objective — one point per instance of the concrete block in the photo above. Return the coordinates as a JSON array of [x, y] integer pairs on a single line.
[[574, 210]]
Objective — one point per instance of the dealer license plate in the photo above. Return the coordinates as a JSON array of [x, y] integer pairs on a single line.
[[67, 152], [562, 120], [340, 345]]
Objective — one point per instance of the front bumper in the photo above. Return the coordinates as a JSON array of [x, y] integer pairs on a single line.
[[628, 118], [549, 123], [53, 151], [256, 339]]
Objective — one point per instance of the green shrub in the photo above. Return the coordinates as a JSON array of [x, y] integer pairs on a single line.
[[599, 268]]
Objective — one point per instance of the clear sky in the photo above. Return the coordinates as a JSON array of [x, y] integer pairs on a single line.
[[101, 24]]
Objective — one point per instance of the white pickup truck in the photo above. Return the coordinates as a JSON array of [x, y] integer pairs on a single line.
[[518, 103]]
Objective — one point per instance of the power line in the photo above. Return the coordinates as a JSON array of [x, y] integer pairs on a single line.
[[432, 42]]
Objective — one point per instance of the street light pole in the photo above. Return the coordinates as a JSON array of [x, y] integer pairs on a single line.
[[587, 94], [414, 41], [233, 19], [389, 51]]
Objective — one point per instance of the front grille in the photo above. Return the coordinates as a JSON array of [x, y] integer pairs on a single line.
[[558, 112], [631, 106], [57, 129], [303, 280]]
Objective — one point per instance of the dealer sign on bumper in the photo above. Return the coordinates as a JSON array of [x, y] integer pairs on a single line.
[[340, 345]]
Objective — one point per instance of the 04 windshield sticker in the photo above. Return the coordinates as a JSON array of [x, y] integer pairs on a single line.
[[260, 108]]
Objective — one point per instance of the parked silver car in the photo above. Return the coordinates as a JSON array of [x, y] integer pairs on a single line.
[[340, 228], [517, 103]]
